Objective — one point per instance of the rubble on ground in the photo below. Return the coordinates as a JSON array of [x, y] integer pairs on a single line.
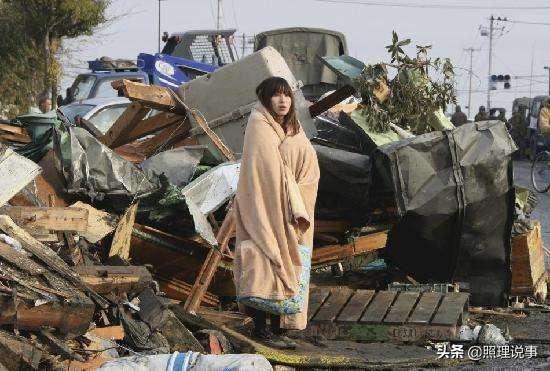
[[118, 245]]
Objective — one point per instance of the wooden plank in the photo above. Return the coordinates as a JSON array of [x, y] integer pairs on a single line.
[[163, 140], [332, 226], [402, 307], [378, 307], [116, 279], [49, 218], [110, 332], [220, 145], [331, 100], [17, 353], [15, 138], [527, 258], [150, 125], [317, 297], [100, 223], [451, 308], [210, 265], [333, 305], [21, 261], [179, 290], [48, 257], [120, 245], [69, 317], [149, 95], [425, 308], [133, 114], [361, 245], [13, 129], [355, 306]]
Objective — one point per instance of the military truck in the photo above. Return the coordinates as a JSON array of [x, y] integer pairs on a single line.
[[302, 48]]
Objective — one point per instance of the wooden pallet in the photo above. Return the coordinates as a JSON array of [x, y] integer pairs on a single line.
[[366, 315]]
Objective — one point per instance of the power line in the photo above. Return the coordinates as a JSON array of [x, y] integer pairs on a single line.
[[534, 23], [433, 6]]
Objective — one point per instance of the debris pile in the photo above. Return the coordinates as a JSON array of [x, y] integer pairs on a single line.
[[121, 243]]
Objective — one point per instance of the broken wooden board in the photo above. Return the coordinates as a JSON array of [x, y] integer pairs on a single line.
[[19, 259], [360, 245], [365, 315], [16, 352], [528, 269], [72, 316], [148, 126], [48, 257], [109, 332], [165, 139], [115, 279], [49, 218], [149, 95], [179, 290], [131, 116], [100, 223], [120, 245], [154, 311]]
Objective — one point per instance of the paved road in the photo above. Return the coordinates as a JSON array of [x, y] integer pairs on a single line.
[[522, 178]]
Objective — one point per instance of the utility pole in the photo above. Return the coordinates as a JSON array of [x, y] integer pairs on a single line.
[[470, 73], [219, 18], [548, 68], [491, 33], [491, 24]]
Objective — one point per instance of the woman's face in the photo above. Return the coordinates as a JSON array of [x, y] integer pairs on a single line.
[[280, 104]]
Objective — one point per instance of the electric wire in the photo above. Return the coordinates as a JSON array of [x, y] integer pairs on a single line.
[[434, 6]]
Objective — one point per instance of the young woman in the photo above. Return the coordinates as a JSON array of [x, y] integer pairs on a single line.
[[274, 209]]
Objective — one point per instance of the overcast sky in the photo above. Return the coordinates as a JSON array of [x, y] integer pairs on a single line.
[[367, 29]]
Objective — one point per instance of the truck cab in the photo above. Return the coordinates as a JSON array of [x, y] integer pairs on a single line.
[[97, 82]]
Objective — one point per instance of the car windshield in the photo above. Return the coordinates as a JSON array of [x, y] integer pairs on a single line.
[[82, 87], [106, 117], [72, 110]]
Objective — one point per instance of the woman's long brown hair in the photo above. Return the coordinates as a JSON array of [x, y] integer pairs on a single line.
[[276, 85]]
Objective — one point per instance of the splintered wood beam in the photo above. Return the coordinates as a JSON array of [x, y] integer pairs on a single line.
[[118, 279], [199, 119], [48, 257], [361, 245], [49, 218], [331, 100], [72, 317], [17, 353], [164, 139], [149, 95], [133, 114], [123, 234], [211, 263], [148, 126]]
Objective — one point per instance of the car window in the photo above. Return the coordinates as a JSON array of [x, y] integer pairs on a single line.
[[105, 90], [106, 117], [82, 87], [72, 110]]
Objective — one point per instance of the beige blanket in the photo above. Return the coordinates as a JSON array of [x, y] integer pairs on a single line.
[[267, 263]]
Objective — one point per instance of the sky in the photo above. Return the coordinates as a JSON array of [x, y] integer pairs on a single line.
[[519, 49]]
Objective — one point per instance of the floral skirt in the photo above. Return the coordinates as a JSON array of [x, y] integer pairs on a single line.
[[291, 305]]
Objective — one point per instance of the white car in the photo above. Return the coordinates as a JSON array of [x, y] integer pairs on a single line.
[[101, 112]]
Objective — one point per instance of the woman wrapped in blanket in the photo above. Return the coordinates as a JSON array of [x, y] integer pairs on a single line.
[[274, 208]]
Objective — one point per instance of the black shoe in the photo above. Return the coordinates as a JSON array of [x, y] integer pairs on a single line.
[[274, 341]]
